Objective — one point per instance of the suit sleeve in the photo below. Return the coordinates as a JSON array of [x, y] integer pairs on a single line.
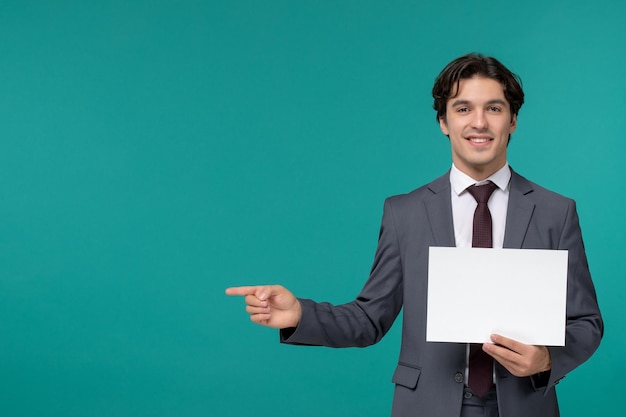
[[584, 325], [367, 319]]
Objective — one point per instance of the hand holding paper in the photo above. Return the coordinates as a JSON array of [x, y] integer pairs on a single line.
[[518, 358]]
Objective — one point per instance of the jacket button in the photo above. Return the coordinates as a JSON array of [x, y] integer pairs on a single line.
[[458, 377]]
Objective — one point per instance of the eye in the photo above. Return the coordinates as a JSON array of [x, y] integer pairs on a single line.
[[495, 109], [462, 110]]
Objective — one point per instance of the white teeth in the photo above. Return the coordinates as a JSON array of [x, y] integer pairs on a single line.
[[479, 140]]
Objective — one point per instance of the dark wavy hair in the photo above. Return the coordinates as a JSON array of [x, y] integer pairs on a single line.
[[468, 66]]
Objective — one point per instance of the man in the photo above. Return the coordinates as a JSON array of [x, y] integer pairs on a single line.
[[477, 101]]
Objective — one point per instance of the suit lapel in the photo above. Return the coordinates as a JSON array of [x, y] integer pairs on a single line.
[[519, 211], [439, 211]]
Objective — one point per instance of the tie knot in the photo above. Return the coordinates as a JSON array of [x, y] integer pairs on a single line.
[[482, 192]]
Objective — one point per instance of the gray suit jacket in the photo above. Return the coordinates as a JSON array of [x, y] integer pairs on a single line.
[[429, 376]]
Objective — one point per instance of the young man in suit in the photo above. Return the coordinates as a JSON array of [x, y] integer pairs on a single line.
[[477, 100]]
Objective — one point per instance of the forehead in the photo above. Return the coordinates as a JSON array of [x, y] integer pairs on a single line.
[[477, 89]]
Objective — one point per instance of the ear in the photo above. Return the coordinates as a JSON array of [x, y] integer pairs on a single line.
[[444, 126], [513, 124]]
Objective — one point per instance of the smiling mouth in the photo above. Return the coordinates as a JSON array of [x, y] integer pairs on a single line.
[[479, 140]]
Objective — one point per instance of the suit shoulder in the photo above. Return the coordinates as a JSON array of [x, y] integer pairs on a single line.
[[412, 196], [426, 191], [538, 193]]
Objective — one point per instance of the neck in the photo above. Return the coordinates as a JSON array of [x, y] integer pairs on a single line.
[[479, 173]]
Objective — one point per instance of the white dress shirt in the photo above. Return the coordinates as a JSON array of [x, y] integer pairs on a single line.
[[464, 205]]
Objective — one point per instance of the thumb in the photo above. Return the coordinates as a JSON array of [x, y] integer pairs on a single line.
[[264, 292]]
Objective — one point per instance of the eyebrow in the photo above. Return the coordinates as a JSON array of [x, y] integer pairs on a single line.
[[466, 102]]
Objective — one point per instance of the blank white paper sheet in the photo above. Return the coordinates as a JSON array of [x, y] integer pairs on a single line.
[[517, 293]]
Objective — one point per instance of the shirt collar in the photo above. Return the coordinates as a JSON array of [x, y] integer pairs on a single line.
[[460, 181]]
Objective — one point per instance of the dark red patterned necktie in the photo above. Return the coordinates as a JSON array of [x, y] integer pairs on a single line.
[[481, 364]]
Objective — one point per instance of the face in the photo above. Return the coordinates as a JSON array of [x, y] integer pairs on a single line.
[[478, 122]]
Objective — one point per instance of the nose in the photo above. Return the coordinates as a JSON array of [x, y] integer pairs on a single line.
[[479, 121]]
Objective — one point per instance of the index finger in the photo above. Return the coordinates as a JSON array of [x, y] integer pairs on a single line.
[[508, 343], [245, 290]]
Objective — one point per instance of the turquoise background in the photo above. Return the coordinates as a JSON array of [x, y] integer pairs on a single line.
[[154, 153]]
